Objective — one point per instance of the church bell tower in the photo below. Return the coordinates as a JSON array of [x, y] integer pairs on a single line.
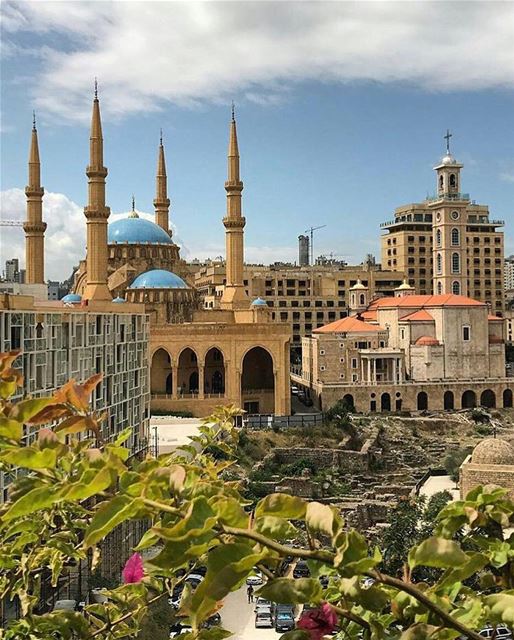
[[449, 227]]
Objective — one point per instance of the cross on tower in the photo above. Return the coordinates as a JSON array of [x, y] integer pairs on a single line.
[[447, 138]]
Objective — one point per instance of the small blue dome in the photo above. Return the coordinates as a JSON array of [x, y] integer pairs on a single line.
[[119, 300], [72, 297], [259, 302], [136, 231], [158, 279]]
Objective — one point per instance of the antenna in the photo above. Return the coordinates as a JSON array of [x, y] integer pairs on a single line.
[[311, 231]]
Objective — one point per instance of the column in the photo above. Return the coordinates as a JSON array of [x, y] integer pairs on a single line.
[[395, 377], [362, 368], [369, 369], [201, 381], [174, 382], [374, 370]]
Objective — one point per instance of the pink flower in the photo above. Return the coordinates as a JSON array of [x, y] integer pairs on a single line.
[[318, 622], [133, 571]]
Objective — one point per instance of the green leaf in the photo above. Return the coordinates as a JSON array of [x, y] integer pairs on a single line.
[[437, 552], [320, 518], [420, 632], [90, 483], [501, 606], [30, 458], [11, 429], [26, 409], [292, 591], [281, 505], [123, 436], [35, 500], [110, 515], [475, 563], [275, 528]]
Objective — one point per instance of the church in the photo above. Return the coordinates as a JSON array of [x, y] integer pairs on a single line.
[[199, 359]]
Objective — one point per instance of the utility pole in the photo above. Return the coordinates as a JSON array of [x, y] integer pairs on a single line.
[[311, 230]]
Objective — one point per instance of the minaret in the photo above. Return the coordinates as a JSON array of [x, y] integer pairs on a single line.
[[234, 294], [96, 213], [34, 226], [161, 202]]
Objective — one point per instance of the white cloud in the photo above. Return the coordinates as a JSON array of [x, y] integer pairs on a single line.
[[146, 54], [507, 176]]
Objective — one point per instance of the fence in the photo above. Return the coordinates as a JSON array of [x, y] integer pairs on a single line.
[[272, 421]]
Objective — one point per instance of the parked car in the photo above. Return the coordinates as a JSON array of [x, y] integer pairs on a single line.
[[194, 580], [301, 570], [263, 620], [212, 621], [261, 604], [284, 620], [179, 629], [501, 632], [255, 578], [294, 390], [65, 605]]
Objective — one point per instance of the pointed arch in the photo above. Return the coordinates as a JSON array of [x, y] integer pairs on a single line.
[[160, 372]]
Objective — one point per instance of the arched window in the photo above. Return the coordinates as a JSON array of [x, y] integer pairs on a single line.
[[453, 180], [456, 288], [438, 238], [439, 263], [362, 299], [439, 288], [441, 182], [455, 237], [455, 263]]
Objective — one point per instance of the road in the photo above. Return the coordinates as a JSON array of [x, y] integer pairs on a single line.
[[238, 616]]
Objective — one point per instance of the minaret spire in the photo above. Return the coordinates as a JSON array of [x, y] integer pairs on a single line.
[[34, 226], [161, 202], [96, 212], [234, 294]]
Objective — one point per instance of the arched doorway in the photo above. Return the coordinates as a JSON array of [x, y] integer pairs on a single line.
[[373, 406], [187, 372], [160, 372], [488, 399], [348, 402], [507, 398], [385, 402], [449, 400], [422, 401], [469, 399], [214, 372], [258, 381], [169, 384]]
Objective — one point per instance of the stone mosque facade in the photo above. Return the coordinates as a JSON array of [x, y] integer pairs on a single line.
[[199, 358]]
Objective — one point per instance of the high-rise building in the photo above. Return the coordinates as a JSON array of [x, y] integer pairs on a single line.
[[303, 251], [12, 270], [509, 277], [448, 243]]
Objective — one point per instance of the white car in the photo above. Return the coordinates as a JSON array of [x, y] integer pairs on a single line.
[[263, 620], [180, 630], [65, 605], [255, 579]]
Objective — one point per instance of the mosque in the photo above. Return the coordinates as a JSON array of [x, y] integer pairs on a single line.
[[199, 358]]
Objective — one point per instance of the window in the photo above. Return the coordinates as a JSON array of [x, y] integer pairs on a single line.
[[402, 333], [322, 352], [322, 368], [455, 263], [439, 263], [456, 288], [466, 333], [453, 180], [439, 288], [438, 238], [455, 237], [354, 377], [354, 363]]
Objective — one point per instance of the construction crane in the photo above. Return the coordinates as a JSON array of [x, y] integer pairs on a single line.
[[11, 223], [311, 231]]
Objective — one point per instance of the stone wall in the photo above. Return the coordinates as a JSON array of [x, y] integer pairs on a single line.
[[340, 459], [472, 475]]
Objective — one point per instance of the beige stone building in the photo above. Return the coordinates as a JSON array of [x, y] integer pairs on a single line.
[[199, 358], [305, 297], [448, 243], [492, 462], [411, 352]]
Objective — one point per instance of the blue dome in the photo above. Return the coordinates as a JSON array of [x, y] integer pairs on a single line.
[[119, 300], [158, 279], [259, 302], [72, 297], [136, 231]]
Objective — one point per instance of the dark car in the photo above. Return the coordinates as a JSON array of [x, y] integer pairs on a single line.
[[213, 621], [301, 570], [284, 620]]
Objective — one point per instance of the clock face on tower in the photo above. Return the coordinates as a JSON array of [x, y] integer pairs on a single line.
[[455, 215]]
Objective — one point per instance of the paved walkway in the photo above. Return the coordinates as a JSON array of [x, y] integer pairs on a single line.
[[435, 484], [172, 432]]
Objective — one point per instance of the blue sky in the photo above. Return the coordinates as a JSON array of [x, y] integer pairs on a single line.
[[341, 141]]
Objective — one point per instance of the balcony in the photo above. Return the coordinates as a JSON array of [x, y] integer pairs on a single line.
[[448, 196]]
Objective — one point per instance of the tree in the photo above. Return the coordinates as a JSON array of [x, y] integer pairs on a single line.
[[70, 492]]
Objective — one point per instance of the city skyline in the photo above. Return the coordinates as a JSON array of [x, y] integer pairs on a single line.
[[329, 151]]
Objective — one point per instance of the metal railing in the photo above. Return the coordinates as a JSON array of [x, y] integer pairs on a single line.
[[448, 196]]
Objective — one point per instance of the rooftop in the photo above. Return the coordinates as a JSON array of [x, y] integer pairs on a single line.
[[349, 325]]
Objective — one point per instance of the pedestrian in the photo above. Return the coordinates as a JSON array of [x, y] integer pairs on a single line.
[[249, 593]]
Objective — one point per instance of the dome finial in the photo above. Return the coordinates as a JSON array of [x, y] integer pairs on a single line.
[[133, 203], [133, 213], [160, 137], [233, 112], [96, 88], [33, 120], [447, 138]]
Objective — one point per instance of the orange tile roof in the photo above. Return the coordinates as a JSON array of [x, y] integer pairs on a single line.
[[491, 317], [444, 300], [349, 325], [418, 316], [369, 315]]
